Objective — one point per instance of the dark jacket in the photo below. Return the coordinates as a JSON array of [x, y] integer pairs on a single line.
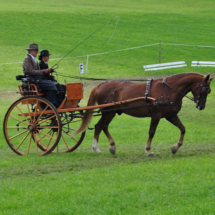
[[43, 65]]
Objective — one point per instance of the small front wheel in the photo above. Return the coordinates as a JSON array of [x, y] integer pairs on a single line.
[[32, 125], [70, 123]]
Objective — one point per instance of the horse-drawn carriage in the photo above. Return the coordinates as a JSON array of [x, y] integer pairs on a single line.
[[33, 124]]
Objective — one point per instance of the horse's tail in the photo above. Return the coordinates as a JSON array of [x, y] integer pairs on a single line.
[[88, 114]]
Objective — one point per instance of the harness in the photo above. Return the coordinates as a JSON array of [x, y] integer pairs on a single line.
[[169, 102], [165, 85], [148, 88], [113, 91], [162, 102]]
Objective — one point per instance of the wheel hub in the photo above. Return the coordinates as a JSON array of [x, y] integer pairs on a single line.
[[32, 127]]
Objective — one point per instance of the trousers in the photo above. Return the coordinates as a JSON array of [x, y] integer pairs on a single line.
[[54, 90]]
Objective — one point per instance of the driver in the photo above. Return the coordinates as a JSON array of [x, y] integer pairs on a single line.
[[41, 76]]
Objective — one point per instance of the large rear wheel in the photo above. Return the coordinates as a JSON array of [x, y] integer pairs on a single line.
[[32, 125]]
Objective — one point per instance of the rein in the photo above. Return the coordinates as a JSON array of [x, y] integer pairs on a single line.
[[165, 84], [99, 79]]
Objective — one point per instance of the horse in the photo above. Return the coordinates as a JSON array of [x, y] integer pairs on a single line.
[[168, 94]]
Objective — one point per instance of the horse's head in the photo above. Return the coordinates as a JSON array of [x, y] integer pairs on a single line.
[[201, 91]]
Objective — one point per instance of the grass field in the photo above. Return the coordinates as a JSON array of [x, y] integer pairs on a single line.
[[129, 182]]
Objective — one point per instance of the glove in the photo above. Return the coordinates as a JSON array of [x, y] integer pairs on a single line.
[[47, 71]]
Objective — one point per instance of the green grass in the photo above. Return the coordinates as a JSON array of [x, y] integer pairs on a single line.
[[61, 25], [129, 182], [105, 191]]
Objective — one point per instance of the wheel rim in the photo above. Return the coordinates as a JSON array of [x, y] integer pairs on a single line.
[[32, 125], [70, 123]]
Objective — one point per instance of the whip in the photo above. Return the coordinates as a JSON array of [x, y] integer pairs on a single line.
[[55, 66]]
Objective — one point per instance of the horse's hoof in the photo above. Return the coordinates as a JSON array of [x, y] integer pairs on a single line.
[[174, 149], [94, 149], [151, 154], [112, 151]]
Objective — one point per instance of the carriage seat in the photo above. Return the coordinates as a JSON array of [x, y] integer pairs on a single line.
[[29, 87]]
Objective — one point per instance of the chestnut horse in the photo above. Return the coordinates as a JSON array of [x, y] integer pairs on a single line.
[[168, 94]]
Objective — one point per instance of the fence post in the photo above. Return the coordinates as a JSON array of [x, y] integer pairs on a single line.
[[87, 63]]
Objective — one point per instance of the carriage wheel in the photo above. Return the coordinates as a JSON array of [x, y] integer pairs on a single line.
[[70, 123], [32, 125]]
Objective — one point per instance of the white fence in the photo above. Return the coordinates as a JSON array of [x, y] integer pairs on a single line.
[[147, 67], [203, 63], [164, 66]]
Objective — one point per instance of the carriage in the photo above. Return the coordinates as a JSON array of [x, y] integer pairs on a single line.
[[33, 125]]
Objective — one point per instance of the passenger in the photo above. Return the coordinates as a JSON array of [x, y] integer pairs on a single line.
[[44, 58], [41, 76]]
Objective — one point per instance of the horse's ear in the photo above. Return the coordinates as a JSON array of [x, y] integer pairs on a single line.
[[207, 78], [211, 79]]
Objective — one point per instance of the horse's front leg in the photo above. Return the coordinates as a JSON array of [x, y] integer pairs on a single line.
[[154, 122], [176, 121]]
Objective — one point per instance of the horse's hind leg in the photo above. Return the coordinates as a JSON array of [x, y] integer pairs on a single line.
[[103, 125], [176, 121], [98, 129]]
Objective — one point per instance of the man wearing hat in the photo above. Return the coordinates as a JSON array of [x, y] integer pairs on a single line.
[[32, 70]]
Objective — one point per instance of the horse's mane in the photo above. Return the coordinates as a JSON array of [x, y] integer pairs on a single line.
[[185, 75], [181, 75]]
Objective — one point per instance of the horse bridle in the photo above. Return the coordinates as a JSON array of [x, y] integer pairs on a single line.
[[192, 99], [200, 93]]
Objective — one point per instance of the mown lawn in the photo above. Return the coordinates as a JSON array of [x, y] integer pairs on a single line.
[[129, 182]]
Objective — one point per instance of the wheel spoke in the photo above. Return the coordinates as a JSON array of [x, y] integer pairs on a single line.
[[47, 135], [35, 110], [22, 114], [29, 112], [72, 129], [65, 141], [41, 113], [45, 120], [70, 135], [18, 134], [18, 120], [29, 145], [17, 127], [23, 140], [48, 126], [41, 138], [50, 139], [36, 142]]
